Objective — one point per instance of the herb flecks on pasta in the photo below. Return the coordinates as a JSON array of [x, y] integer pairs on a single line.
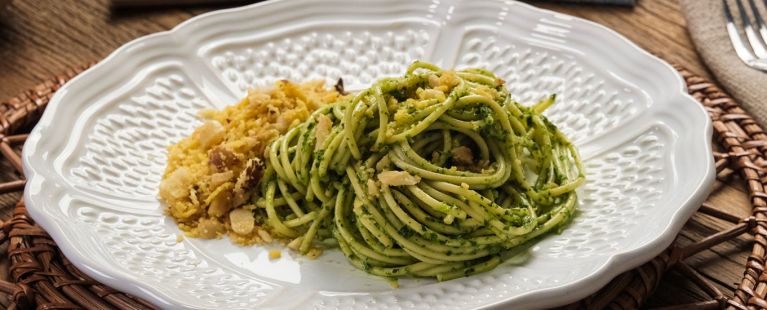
[[434, 174]]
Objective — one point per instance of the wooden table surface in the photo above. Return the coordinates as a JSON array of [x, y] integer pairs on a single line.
[[39, 39]]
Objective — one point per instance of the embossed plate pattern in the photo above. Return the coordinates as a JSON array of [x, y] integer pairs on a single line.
[[95, 159]]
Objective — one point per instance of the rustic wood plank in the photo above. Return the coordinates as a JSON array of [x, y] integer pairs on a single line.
[[43, 38]]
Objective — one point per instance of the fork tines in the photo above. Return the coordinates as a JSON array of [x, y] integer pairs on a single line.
[[754, 56]]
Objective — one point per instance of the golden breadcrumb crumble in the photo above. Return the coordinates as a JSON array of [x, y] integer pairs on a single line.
[[211, 174]]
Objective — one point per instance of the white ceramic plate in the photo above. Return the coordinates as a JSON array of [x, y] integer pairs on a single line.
[[95, 159]]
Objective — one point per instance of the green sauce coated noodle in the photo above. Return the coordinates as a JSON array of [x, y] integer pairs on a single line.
[[434, 174]]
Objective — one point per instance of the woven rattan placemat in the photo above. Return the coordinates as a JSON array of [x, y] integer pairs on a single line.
[[42, 277]]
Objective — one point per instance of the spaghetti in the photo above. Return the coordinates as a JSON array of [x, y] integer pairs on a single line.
[[434, 174]]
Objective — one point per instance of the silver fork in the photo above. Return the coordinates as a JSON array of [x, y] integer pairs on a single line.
[[757, 40]]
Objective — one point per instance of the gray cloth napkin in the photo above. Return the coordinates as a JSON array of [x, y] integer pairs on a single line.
[[706, 24]]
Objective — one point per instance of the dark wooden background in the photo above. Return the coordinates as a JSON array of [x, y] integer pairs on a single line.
[[39, 39]]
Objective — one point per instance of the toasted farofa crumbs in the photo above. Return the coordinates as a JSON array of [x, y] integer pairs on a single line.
[[275, 254], [211, 175]]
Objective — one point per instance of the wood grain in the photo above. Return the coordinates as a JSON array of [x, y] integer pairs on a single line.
[[41, 38]]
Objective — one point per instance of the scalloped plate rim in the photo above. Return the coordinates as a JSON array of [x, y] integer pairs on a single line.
[[613, 266]]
